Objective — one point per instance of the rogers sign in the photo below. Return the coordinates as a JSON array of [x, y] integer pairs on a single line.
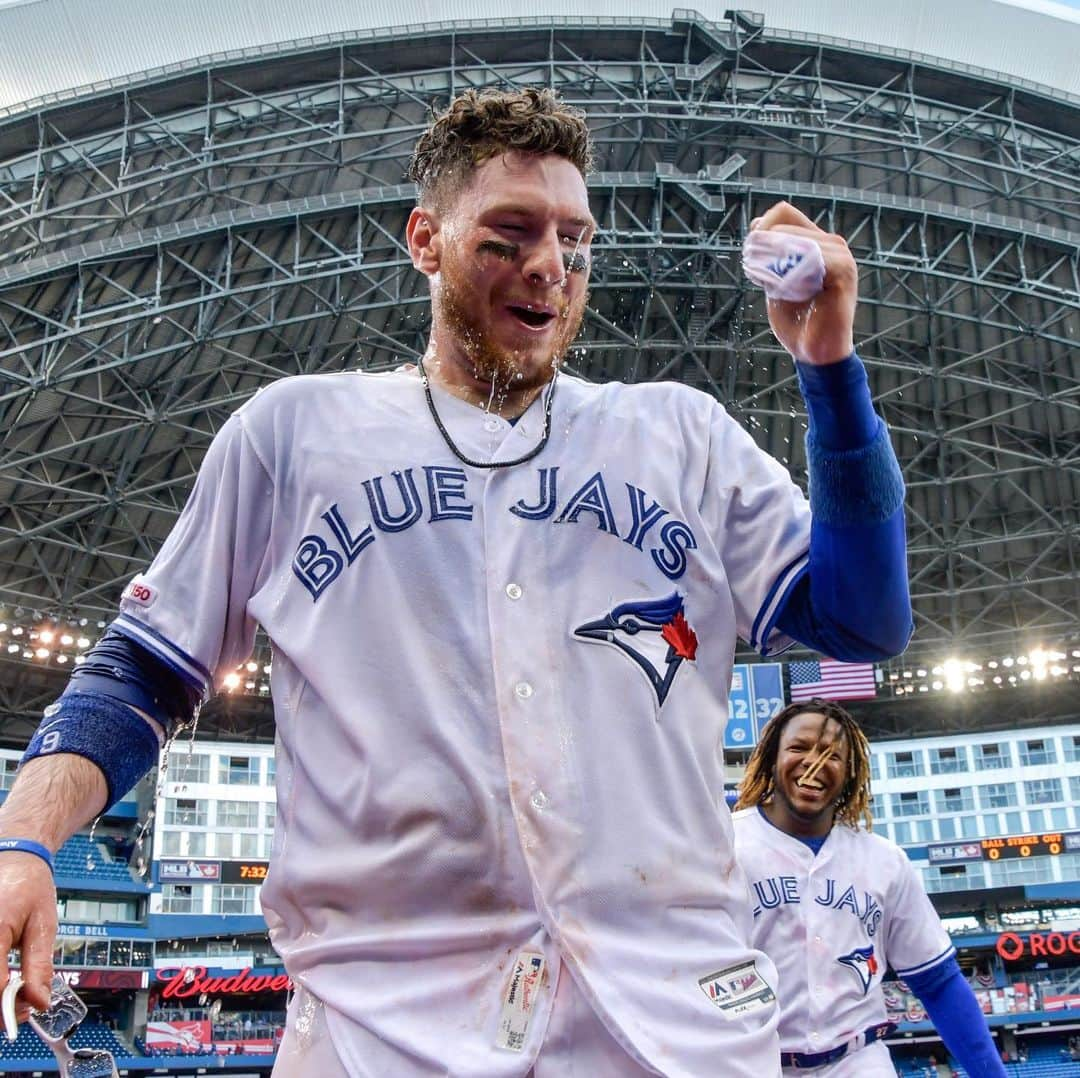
[[1011, 945], [183, 982]]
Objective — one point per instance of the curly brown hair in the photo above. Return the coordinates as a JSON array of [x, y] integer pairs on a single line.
[[853, 806], [479, 124]]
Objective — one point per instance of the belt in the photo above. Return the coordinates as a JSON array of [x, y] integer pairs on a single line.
[[806, 1060]]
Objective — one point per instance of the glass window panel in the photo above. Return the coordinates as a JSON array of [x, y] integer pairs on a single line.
[[902, 765], [188, 767], [185, 812], [1037, 751], [232, 898], [955, 799], [97, 952], [7, 774], [1042, 791], [120, 953], [949, 760], [969, 826], [238, 814], [914, 803], [993, 756], [239, 770], [180, 898], [998, 795]]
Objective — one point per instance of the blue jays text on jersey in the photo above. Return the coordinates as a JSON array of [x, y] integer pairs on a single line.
[[320, 558], [774, 891]]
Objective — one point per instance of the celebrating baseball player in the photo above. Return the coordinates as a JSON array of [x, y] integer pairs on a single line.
[[835, 905], [503, 604]]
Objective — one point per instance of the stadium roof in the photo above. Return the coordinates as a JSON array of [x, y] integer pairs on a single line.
[[50, 47], [172, 240]]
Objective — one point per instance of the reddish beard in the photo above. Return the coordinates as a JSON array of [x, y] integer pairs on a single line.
[[491, 363]]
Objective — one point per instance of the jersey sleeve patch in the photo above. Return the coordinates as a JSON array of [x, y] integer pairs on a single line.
[[738, 989], [140, 593]]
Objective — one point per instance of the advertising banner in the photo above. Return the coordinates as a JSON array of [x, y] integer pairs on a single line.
[[179, 1037]]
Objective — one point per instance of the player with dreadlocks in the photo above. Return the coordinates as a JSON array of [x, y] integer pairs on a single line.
[[835, 905]]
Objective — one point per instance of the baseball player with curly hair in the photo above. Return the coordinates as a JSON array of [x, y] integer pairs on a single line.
[[835, 905], [503, 603]]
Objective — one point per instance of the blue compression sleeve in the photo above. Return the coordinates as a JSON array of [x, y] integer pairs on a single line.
[[852, 603], [955, 1012], [94, 717], [123, 669]]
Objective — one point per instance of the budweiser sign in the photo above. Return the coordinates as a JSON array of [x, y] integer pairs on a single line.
[[184, 982]]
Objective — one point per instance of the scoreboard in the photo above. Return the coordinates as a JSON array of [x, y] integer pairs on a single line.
[[1006, 847], [757, 693]]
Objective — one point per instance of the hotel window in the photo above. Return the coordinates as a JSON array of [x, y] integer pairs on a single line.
[[992, 757], [998, 795], [1042, 791], [185, 812], [239, 770], [948, 761], [1036, 752], [955, 799], [188, 767], [913, 803], [238, 814], [904, 765]]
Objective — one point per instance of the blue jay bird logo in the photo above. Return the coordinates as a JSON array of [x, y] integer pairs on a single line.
[[863, 963], [645, 626]]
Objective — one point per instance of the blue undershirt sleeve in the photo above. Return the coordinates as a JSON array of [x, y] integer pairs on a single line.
[[98, 716], [955, 1012], [852, 601]]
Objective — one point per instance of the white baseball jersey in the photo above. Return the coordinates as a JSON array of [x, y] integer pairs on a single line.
[[499, 699], [832, 923]]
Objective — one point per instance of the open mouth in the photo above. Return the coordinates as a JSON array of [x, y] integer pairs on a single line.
[[813, 787], [533, 317]]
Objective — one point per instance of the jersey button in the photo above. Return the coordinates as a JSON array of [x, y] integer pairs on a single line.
[[523, 689], [491, 424], [513, 591], [539, 800]]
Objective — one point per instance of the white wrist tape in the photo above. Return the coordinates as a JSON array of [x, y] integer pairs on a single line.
[[787, 267]]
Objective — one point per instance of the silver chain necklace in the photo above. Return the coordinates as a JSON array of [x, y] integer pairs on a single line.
[[549, 396]]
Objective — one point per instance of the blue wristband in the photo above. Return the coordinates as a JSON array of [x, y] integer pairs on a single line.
[[27, 845]]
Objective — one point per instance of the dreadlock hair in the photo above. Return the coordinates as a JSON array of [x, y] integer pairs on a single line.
[[853, 805], [479, 124]]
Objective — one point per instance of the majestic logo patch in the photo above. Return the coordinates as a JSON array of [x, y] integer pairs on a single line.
[[737, 990], [863, 964], [653, 633]]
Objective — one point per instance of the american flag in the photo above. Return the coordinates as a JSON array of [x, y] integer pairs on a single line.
[[832, 680]]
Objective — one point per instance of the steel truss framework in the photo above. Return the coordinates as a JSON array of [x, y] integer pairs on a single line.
[[167, 248]]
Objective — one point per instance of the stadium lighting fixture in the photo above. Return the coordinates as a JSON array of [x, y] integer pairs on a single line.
[[46, 636], [231, 681], [954, 674]]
